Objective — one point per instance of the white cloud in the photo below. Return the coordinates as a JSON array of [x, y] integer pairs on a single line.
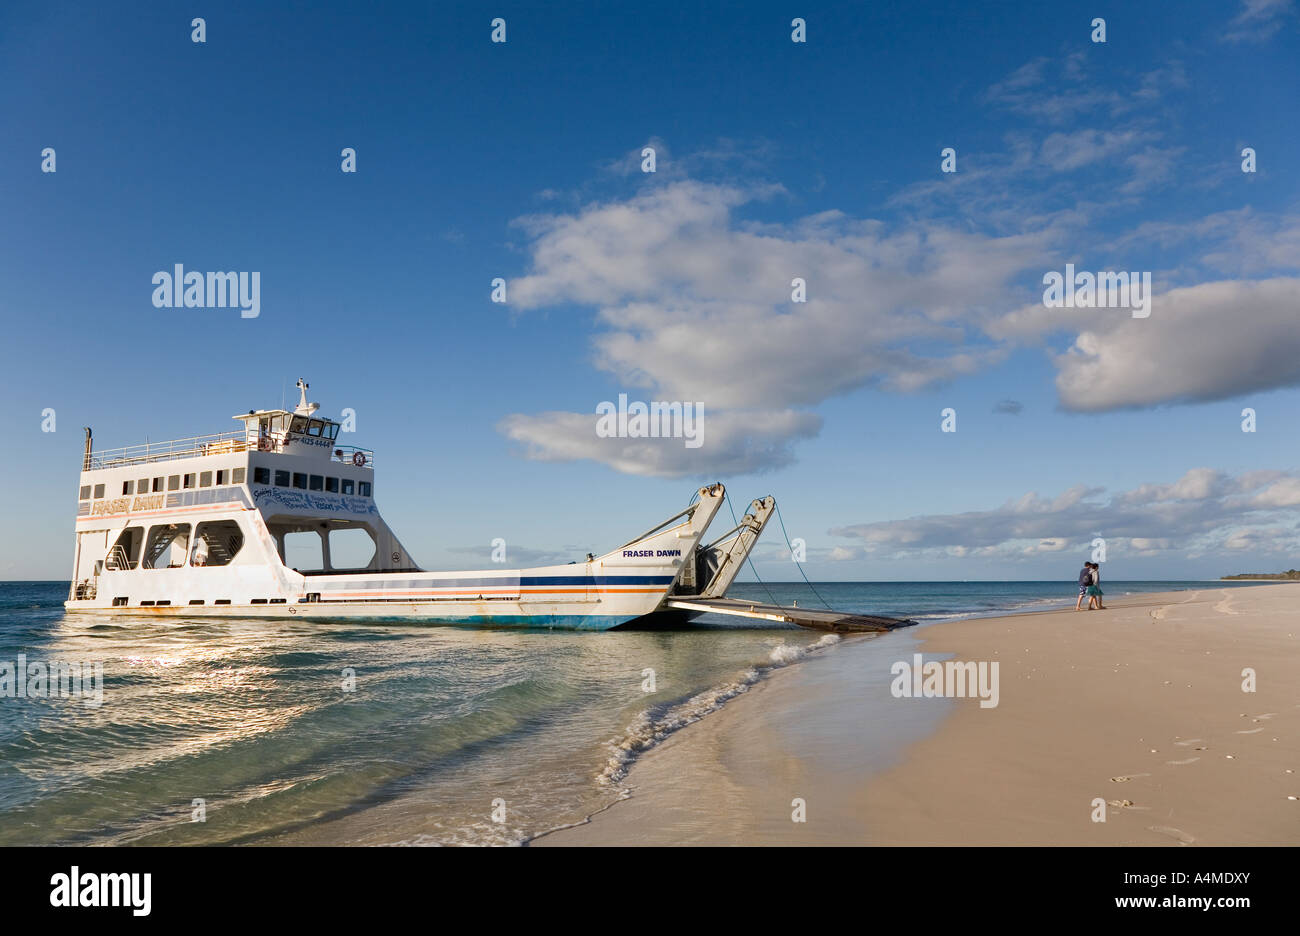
[[1065, 151], [695, 305], [735, 442], [1258, 20], [1204, 509], [1208, 342]]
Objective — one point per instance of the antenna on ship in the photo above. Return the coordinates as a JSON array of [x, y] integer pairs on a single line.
[[304, 408]]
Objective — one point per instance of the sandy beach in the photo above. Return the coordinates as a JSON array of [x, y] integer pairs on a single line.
[[1140, 707]]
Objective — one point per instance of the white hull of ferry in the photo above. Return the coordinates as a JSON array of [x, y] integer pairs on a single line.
[[597, 595], [624, 585]]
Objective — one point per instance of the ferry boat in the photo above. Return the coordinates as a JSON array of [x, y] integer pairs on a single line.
[[201, 526]]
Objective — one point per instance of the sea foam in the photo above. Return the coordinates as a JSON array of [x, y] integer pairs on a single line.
[[655, 724]]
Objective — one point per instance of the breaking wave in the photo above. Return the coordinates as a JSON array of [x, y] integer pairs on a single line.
[[655, 724]]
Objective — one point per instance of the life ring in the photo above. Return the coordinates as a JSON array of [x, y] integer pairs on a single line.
[[359, 459]]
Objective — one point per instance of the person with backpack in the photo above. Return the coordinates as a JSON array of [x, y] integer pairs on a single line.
[[1085, 580]]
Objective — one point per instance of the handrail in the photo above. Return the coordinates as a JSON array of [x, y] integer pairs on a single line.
[[218, 443], [347, 454], [221, 443], [117, 560]]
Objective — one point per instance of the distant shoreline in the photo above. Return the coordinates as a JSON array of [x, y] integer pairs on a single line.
[[1289, 576]]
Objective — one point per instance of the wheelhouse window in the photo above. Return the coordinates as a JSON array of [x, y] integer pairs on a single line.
[[316, 483], [189, 480], [332, 485], [157, 485], [205, 479], [299, 424], [142, 486], [85, 492], [237, 476], [363, 488], [99, 491], [281, 478], [261, 475], [300, 480], [173, 482], [314, 427], [221, 477], [349, 486]]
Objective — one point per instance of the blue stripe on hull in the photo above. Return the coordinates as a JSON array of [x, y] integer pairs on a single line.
[[323, 583], [584, 622]]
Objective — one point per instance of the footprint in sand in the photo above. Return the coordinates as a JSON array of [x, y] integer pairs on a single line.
[[1250, 731], [1182, 837], [1159, 613], [1125, 778], [1189, 741], [1179, 763]]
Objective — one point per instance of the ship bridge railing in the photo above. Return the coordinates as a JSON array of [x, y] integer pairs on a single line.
[[352, 455], [221, 443]]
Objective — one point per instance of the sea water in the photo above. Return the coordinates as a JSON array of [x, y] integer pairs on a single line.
[[244, 731]]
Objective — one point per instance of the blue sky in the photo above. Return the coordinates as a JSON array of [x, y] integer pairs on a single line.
[[775, 160]]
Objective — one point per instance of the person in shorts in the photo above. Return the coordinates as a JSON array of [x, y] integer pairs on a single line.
[[1085, 579]]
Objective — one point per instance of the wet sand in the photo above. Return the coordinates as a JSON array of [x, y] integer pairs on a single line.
[[1140, 707]]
